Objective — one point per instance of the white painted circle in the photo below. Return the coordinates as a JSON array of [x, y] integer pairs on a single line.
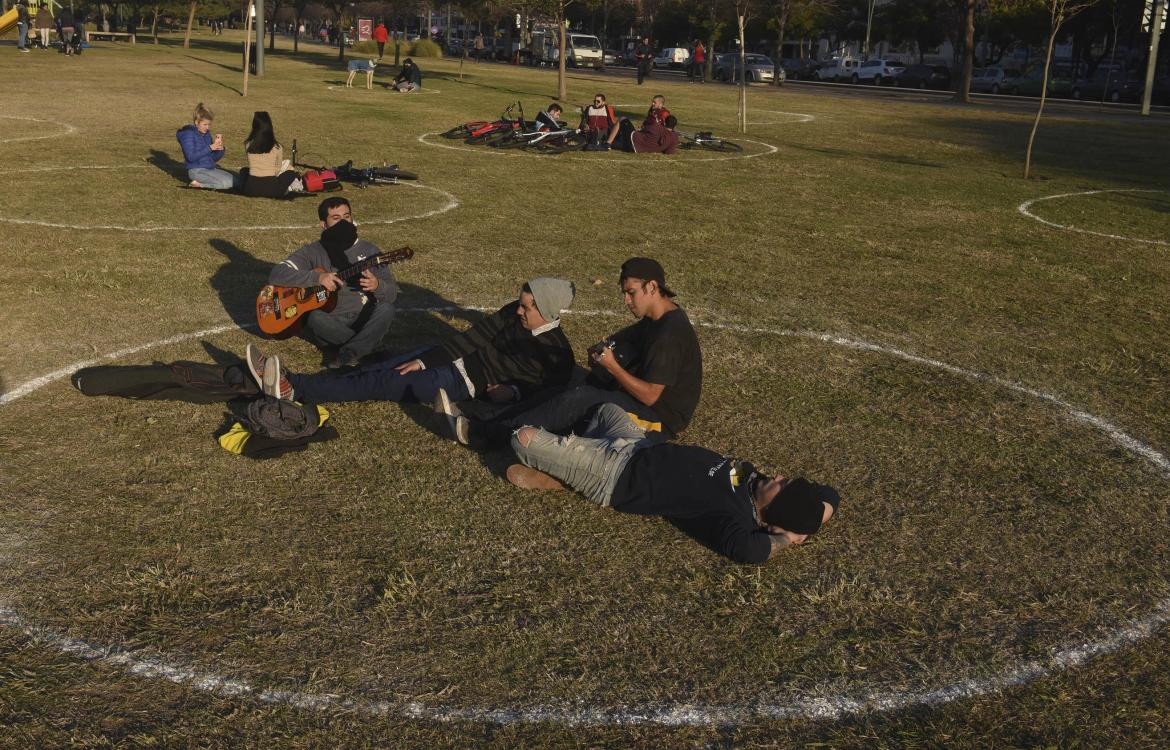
[[68, 129], [618, 157], [831, 707], [1026, 206], [452, 203], [790, 117]]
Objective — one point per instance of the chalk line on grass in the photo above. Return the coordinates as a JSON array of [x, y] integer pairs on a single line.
[[452, 203], [1026, 206], [864, 699], [616, 156], [792, 117], [68, 129]]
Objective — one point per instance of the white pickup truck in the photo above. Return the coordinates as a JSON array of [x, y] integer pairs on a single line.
[[837, 69]]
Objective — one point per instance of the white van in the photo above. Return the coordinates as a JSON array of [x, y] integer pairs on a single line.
[[584, 51]]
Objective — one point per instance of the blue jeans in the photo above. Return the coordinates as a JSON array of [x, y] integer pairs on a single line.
[[21, 35], [214, 179], [563, 411], [379, 381], [592, 462], [336, 329]]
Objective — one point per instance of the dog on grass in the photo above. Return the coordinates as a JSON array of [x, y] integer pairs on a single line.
[[361, 66]]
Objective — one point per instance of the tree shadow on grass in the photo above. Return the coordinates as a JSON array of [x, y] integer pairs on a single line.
[[1127, 152], [209, 79]]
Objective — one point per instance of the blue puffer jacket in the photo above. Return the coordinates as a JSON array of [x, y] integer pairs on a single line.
[[197, 148]]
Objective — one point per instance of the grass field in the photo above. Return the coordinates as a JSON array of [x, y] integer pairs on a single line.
[[988, 392]]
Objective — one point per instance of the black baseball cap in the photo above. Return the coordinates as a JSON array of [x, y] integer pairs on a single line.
[[646, 269]]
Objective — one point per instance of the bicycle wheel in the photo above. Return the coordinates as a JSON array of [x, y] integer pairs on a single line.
[[569, 142], [483, 137], [394, 173], [511, 139], [718, 144], [459, 131]]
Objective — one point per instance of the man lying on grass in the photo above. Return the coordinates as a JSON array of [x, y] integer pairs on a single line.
[[506, 356], [723, 502]]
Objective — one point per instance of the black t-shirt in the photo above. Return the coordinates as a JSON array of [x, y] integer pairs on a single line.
[[691, 486], [666, 352]]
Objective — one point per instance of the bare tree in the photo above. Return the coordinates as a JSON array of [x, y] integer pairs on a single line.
[[190, 23], [1059, 11]]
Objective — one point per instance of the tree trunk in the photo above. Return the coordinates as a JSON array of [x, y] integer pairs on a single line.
[[742, 79], [272, 22], [562, 82], [247, 45], [778, 56], [963, 90], [296, 32], [190, 23], [154, 24], [1057, 19]]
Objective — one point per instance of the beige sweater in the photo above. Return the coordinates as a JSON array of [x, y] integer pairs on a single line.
[[266, 165]]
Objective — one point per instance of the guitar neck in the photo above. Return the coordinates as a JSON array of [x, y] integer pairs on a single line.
[[352, 272]]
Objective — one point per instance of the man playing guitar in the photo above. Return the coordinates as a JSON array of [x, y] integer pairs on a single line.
[[356, 325]]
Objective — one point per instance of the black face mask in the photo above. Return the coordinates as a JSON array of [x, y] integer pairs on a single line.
[[337, 239]]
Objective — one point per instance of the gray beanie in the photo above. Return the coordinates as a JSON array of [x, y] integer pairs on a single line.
[[551, 295]]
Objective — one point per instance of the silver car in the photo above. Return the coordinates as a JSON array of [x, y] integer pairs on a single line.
[[760, 68]]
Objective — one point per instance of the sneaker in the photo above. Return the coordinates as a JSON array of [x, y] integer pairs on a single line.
[[275, 383], [530, 479], [347, 358], [256, 363], [457, 425]]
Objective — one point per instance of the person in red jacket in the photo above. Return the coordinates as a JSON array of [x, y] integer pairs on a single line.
[[699, 62], [381, 36]]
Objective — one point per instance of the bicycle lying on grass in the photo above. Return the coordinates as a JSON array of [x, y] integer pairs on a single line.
[[544, 141], [360, 176], [707, 141], [480, 131]]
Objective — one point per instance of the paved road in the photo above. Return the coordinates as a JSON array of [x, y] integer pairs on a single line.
[[1002, 103]]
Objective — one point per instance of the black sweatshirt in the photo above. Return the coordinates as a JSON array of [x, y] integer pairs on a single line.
[[692, 487], [499, 349]]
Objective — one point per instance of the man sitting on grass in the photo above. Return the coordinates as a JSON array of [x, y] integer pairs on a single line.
[[503, 358], [653, 371], [548, 120], [652, 138], [724, 503], [355, 327], [409, 78]]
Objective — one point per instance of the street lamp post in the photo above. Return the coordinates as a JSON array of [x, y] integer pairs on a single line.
[[868, 26]]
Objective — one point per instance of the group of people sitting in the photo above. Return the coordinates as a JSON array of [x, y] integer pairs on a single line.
[[268, 173], [607, 436], [604, 130]]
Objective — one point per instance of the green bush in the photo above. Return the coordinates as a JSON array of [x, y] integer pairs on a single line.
[[364, 48], [425, 48]]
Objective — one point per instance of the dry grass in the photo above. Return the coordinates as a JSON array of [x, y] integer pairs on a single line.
[[980, 527]]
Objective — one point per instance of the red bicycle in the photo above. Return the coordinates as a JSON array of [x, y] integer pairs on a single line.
[[478, 131]]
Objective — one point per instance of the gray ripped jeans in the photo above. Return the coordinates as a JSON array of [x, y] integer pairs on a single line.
[[591, 462]]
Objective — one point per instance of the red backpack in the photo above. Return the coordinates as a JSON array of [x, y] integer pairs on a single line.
[[321, 181]]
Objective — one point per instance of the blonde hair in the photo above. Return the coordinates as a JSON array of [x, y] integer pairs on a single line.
[[202, 113]]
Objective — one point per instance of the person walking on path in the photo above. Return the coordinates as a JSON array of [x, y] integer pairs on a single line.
[[478, 47], [381, 36], [699, 62]]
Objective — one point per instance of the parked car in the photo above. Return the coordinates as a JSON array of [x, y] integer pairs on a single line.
[[1108, 85], [796, 68], [837, 69], [993, 80], [672, 57], [760, 68], [876, 72], [1059, 82], [613, 57], [925, 77]]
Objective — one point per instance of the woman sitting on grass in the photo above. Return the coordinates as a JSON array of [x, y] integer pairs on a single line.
[[201, 153], [269, 174]]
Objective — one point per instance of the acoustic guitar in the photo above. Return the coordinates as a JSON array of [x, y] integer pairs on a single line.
[[280, 310]]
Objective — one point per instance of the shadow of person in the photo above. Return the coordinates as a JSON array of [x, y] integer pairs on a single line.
[[167, 164], [220, 356], [238, 281]]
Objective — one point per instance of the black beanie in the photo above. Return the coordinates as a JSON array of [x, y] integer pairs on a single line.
[[799, 506]]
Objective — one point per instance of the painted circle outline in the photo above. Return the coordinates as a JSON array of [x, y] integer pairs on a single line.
[[451, 204], [69, 129], [1061, 658], [1025, 207], [798, 117], [596, 158]]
